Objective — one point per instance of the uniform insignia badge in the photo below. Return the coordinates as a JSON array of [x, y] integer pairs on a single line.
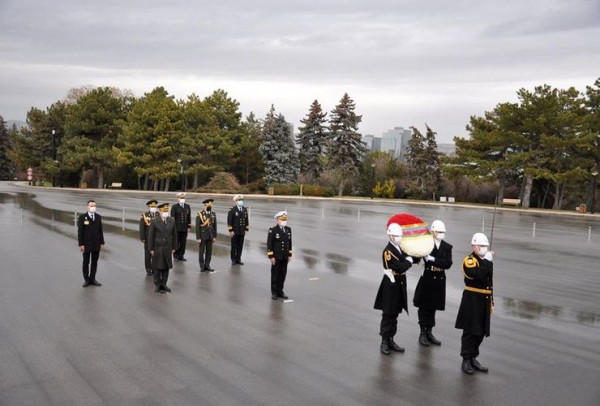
[[277, 235], [388, 255], [87, 223], [470, 262]]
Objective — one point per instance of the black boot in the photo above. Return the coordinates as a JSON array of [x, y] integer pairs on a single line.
[[431, 338], [466, 367], [477, 366], [423, 337], [385, 346], [393, 346]]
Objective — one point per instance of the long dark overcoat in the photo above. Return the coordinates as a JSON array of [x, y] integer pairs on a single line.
[[430, 292], [162, 239], [476, 306], [392, 297]]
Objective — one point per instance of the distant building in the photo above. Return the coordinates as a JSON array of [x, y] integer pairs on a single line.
[[373, 142], [395, 141]]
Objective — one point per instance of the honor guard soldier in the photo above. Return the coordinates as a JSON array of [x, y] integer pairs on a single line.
[[391, 296], [237, 225], [145, 221], [430, 293], [206, 233], [162, 242], [182, 213], [279, 251], [90, 240], [477, 302]]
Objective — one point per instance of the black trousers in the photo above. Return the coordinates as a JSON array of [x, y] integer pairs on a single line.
[[278, 274], [389, 325], [237, 245], [181, 240], [205, 253], [89, 273], [147, 258], [470, 343], [426, 317], [160, 277]]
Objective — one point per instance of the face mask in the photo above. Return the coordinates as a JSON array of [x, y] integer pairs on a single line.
[[92, 209], [440, 236], [153, 209], [164, 214], [483, 250], [283, 223], [396, 239], [240, 203], [182, 201]]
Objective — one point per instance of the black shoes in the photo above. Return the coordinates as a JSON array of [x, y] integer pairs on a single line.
[[96, 283], [157, 289], [182, 259], [240, 263], [206, 269], [384, 348], [477, 366], [274, 297], [466, 366], [166, 289], [423, 340], [86, 284], [393, 346], [283, 296], [431, 338]]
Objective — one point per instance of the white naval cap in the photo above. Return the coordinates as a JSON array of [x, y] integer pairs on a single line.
[[282, 214], [238, 197], [180, 194]]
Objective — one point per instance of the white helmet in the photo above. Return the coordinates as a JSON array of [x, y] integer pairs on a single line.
[[394, 229], [438, 226], [479, 239]]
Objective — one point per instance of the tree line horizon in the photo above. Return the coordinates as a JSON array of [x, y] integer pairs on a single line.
[[543, 149]]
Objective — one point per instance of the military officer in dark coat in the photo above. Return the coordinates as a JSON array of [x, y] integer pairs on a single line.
[[279, 251], [430, 293], [206, 233], [91, 241], [144, 226], [182, 213], [237, 225], [162, 242], [391, 296], [477, 301]]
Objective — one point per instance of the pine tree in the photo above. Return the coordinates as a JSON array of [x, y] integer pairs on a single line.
[[311, 141], [277, 150], [416, 159], [5, 164], [345, 147]]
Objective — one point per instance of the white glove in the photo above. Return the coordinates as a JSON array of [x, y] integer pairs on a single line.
[[429, 258], [389, 274], [409, 259], [489, 256]]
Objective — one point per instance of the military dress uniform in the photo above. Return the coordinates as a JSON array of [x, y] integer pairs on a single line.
[[430, 293], [238, 224], [279, 247], [206, 232], [475, 308], [391, 297], [162, 241], [145, 220], [91, 236], [182, 213]]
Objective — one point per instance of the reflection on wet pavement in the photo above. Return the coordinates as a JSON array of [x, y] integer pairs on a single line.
[[525, 309]]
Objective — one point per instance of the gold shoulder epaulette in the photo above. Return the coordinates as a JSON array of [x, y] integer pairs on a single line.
[[470, 262]]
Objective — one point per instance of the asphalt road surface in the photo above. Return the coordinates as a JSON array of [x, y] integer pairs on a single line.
[[219, 339]]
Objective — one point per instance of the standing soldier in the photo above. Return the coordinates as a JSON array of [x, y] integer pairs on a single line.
[[90, 240], [182, 213], [238, 225], [391, 296], [206, 233], [145, 221], [477, 301], [162, 242], [430, 293], [279, 251]]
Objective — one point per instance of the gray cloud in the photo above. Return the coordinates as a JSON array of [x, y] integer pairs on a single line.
[[402, 61]]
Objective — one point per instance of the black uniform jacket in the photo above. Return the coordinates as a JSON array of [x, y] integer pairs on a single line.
[[206, 225], [182, 216], [237, 220], [162, 239], [476, 304], [145, 220], [392, 297], [430, 292], [89, 233], [279, 242]]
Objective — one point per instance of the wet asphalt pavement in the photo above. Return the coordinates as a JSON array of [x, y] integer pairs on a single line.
[[219, 339]]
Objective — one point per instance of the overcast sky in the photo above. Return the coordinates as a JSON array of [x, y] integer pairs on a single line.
[[403, 62]]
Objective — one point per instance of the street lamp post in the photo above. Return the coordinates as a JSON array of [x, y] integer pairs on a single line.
[[54, 156], [372, 179], [595, 175]]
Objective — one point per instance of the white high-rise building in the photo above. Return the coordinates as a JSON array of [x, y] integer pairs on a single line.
[[395, 141]]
